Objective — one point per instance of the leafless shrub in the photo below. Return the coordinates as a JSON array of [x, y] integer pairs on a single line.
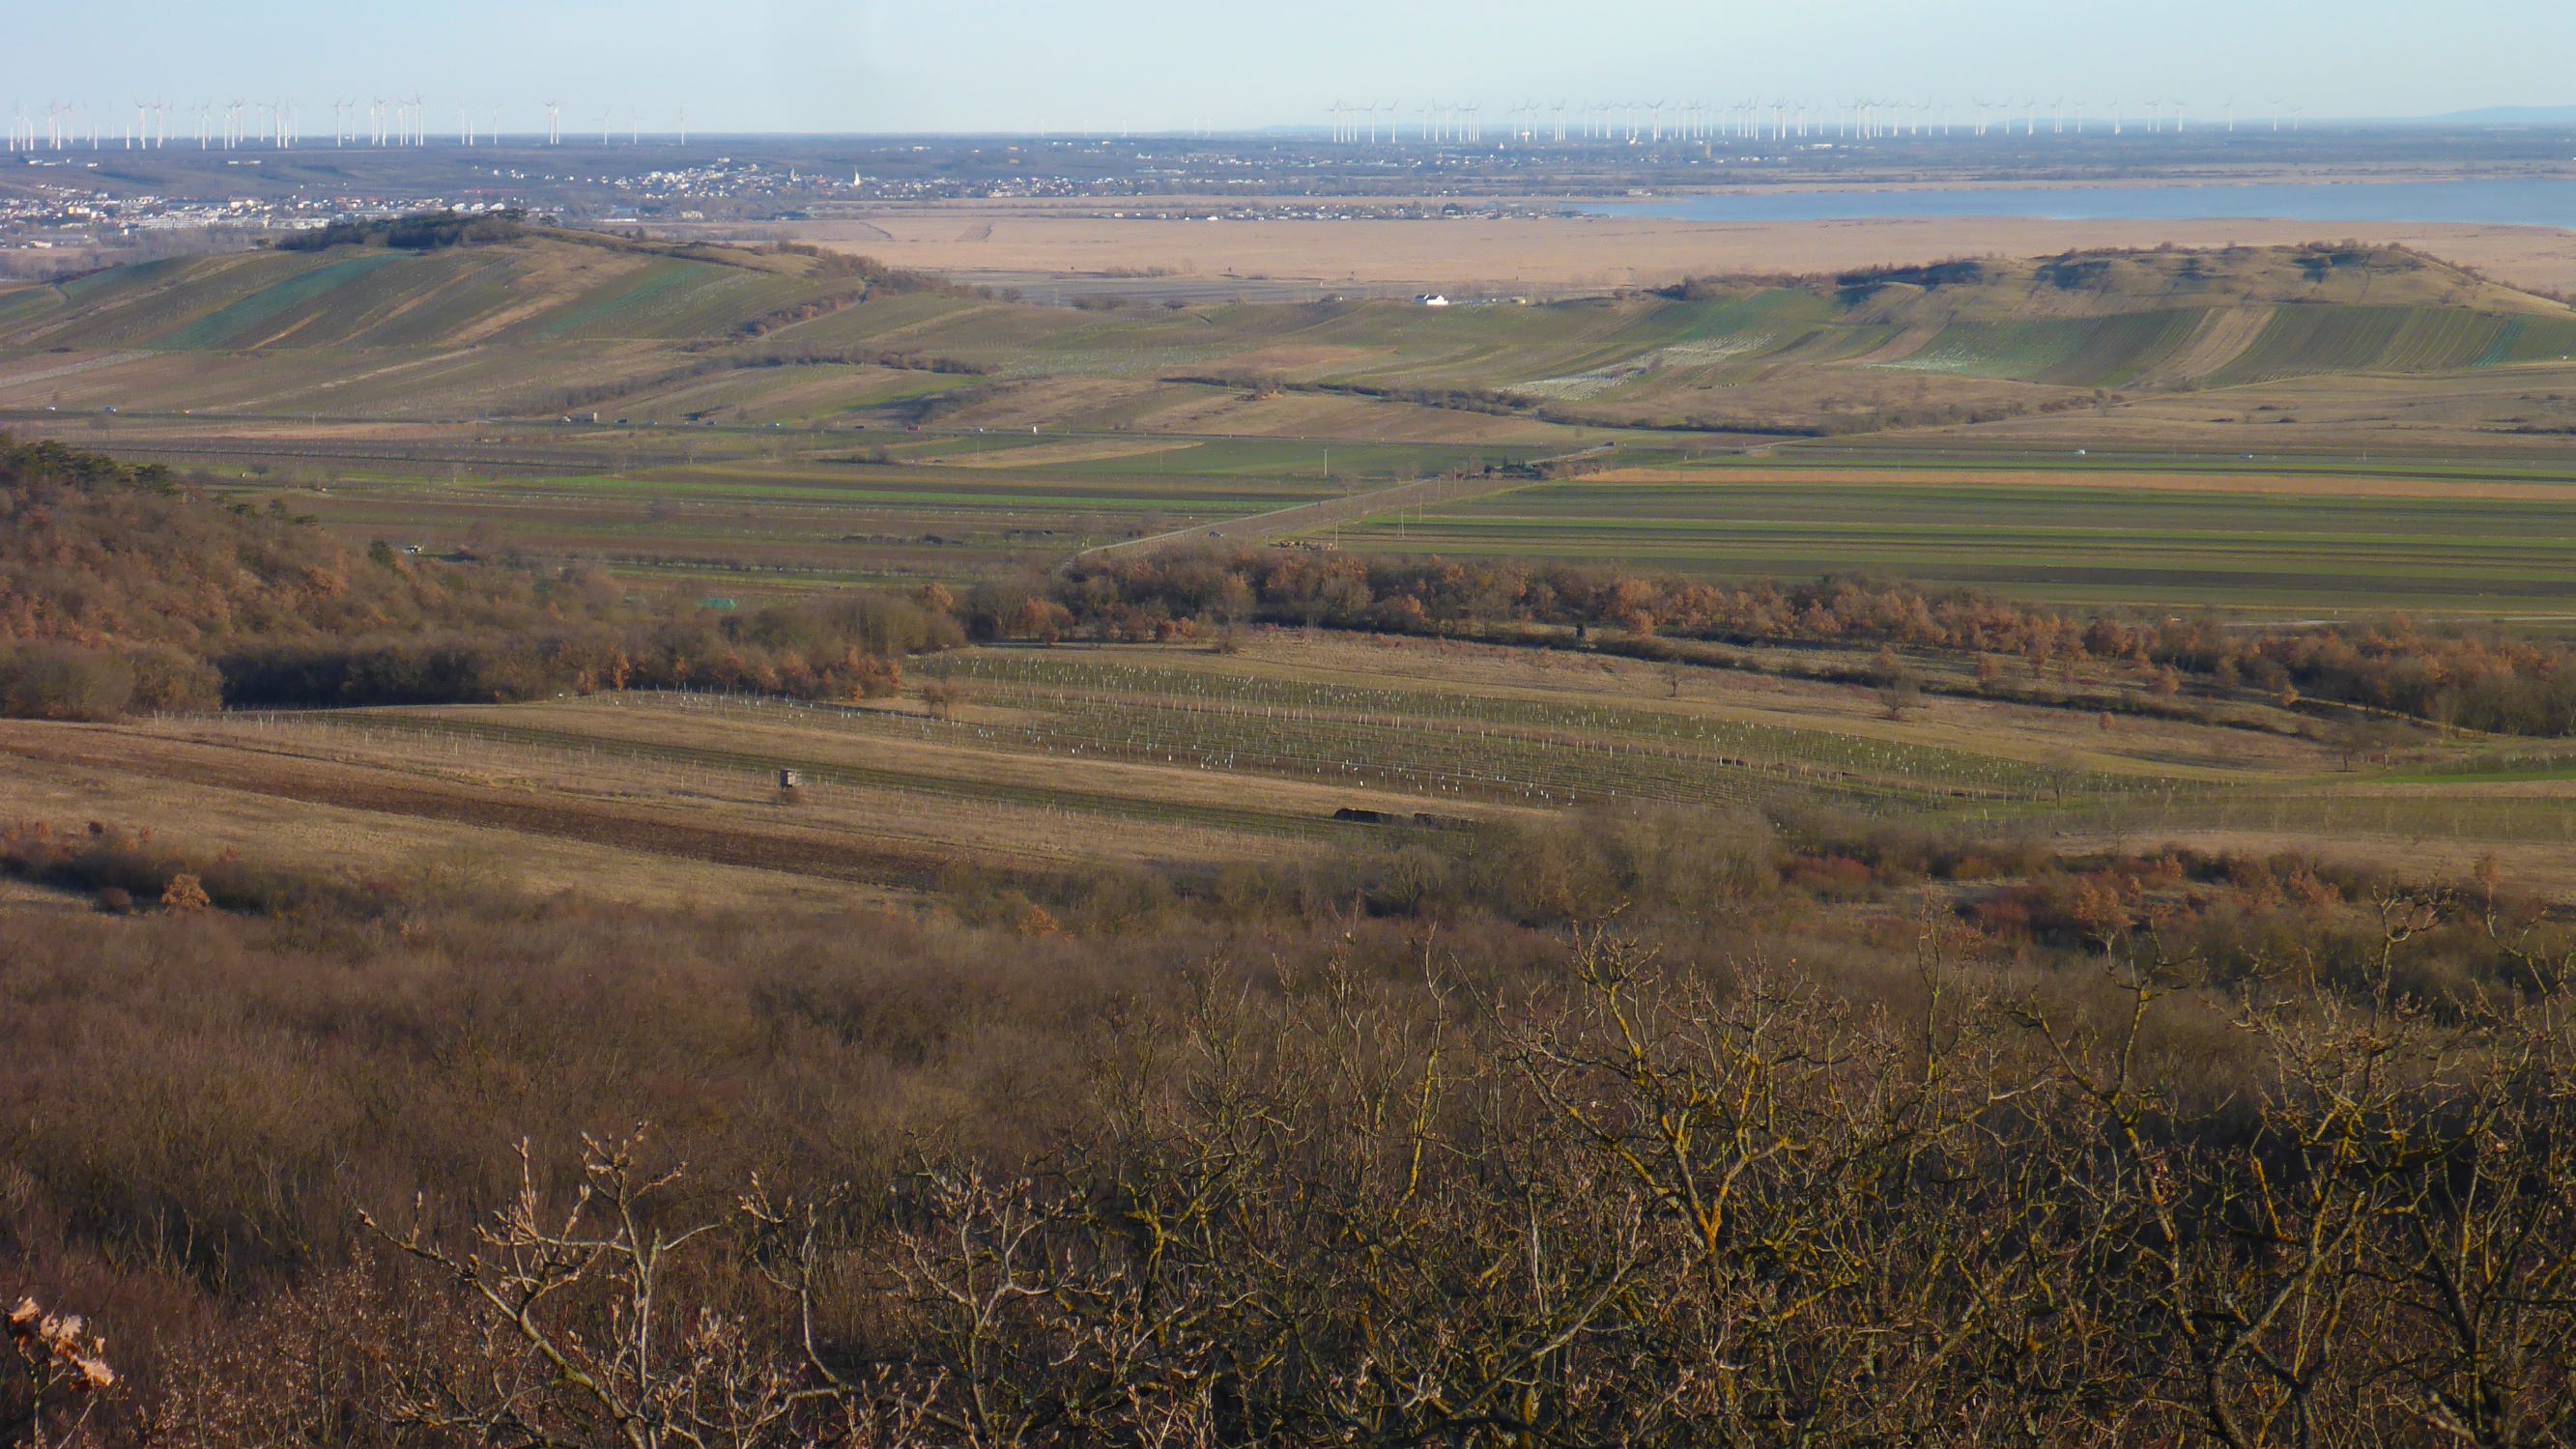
[[59, 1374]]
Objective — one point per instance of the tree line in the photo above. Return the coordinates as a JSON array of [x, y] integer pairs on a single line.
[[2477, 679], [121, 590]]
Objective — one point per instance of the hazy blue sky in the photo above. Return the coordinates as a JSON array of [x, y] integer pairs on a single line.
[[1093, 64]]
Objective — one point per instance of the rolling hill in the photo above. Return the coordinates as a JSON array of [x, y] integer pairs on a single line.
[[540, 322]]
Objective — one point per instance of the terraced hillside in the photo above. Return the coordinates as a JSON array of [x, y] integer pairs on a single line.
[[552, 322], [368, 298]]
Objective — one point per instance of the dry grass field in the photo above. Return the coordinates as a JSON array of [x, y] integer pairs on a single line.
[[1179, 758], [1485, 255]]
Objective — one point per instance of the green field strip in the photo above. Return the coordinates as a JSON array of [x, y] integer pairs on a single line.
[[2122, 348], [2433, 340], [2465, 553], [249, 320], [146, 309], [1482, 736], [19, 304], [927, 495], [2316, 338], [2043, 575], [2524, 341], [638, 292], [100, 286], [474, 289], [2055, 459], [2485, 562], [2017, 350]]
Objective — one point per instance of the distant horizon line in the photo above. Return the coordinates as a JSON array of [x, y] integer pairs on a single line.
[[2141, 127]]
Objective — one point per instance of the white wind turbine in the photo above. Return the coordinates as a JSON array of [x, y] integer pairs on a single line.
[[554, 122]]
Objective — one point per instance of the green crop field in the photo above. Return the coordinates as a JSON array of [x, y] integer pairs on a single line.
[[762, 414], [2527, 340], [2074, 542], [2307, 340], [2068, 352]]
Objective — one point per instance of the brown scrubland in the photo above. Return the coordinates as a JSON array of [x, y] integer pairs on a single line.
[[1641, 1128]]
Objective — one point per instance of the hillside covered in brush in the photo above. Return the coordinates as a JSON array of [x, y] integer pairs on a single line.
[[123, 589], [498, 319]]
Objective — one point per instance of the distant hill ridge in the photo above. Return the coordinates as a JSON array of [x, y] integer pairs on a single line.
[[2148, 319], [435, 281], [487, 318]]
